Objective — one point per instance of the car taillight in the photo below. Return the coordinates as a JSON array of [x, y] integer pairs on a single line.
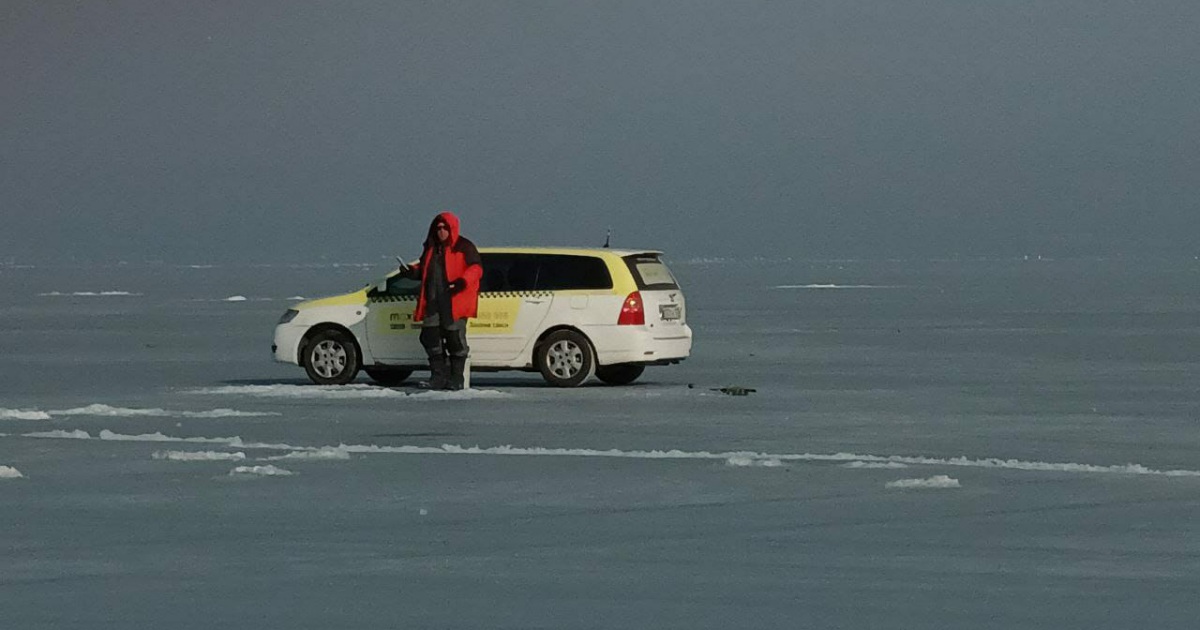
[[632, 313]]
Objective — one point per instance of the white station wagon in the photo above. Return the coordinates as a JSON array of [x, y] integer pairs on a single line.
[[569, 313]]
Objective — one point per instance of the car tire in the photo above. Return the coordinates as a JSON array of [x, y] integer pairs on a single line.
[[331, 358], [565, 358], [619, 374], [388, 377]]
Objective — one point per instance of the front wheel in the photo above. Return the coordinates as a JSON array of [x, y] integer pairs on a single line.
[[388, 377], [619, 374], [565, 358], [331, 358]]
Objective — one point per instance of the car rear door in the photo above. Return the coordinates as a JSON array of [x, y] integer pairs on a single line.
[[511, 308], [662, 299]]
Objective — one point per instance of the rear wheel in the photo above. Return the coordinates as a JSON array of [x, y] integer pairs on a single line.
[[388, 376], [565, 358], [619, 374], [331, 358]]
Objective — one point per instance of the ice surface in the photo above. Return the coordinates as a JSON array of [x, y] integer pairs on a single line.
[[936, 481], [8, 472], [1061, 395]]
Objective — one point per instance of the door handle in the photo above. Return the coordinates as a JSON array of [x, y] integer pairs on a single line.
[[534, 301]]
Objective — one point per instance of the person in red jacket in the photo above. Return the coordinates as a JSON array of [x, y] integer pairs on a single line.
[[449, 271]]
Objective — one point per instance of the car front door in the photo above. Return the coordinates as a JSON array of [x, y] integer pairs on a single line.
[[391, 332]]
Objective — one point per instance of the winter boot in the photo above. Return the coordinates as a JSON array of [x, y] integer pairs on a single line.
[[457, 366], [438, 374]]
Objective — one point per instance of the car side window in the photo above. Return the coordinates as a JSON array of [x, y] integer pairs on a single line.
[[560, 272], [508, 272]]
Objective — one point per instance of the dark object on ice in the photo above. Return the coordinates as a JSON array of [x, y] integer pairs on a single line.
[[734, 390]]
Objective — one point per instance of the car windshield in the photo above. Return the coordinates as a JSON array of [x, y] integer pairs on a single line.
[[399, 286]]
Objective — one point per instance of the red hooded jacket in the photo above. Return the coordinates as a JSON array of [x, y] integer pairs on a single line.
[[462, 262]]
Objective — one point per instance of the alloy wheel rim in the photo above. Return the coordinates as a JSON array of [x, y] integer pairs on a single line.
[[329, 359], [565, 359]]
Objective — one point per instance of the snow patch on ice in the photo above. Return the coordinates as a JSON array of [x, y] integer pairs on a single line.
[[862, 464], [353, 390], [111, 436], [23, 414], [740, 461], [228, 413], [342, 392], [834, 286], [59, 434], [198, 456], [118, 412], [89, 294], [260, 471], [453, 449], [8, 472], [325, 453], [462, 394], [936, 481], [106, 410], [105, 434]]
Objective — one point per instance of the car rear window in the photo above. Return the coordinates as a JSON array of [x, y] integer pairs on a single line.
[[650, 273]]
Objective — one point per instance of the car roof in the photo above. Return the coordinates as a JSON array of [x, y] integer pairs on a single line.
[[578, 251]]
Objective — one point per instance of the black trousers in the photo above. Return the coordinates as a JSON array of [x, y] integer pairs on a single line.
[[443, 342]]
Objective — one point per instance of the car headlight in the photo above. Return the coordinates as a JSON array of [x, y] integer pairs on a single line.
[[289, 316]]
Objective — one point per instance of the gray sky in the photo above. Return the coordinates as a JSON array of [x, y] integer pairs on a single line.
[[285, 130]]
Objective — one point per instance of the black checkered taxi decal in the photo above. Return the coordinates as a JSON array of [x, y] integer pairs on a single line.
[[515, 294], [484, 294]]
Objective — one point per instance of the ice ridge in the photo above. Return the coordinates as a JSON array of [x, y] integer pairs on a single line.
[[872, 461], [102, 410], [8, 472]]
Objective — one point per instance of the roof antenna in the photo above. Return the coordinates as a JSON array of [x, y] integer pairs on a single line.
[[607, 237]]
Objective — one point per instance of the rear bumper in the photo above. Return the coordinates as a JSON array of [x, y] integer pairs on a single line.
[[640, 344]]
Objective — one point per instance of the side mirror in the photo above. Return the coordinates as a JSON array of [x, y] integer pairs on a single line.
[[381, 286]]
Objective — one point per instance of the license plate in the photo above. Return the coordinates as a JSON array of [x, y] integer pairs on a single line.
[[669, 311]]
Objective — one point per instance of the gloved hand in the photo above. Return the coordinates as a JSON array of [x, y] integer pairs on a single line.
[[457, 286]]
